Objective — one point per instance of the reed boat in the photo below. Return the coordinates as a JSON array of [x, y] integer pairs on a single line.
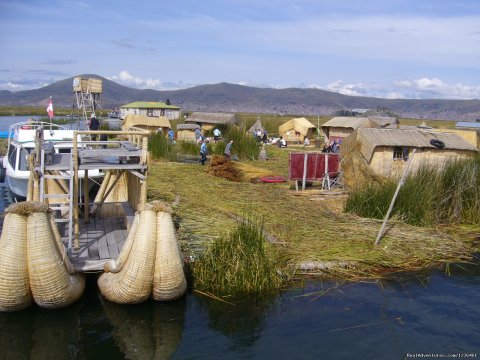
[[50, 242], [21, 143]]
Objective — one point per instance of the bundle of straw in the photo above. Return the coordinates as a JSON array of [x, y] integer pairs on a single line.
[[169, 282], [133, 283], [52, 285], [15, 291], [221, 167]]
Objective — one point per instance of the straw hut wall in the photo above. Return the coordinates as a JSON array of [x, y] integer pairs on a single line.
[[186, 132], [386, 151], [295, 129], [151, 124], [150, 109], [207, 121]]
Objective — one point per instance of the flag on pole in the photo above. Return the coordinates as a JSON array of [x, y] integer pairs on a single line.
[[50, 108]]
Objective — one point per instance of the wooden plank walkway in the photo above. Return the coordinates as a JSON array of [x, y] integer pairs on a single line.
[[100, 241]]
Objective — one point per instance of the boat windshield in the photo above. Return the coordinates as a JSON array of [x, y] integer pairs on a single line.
[[22, 161], [12, 155]]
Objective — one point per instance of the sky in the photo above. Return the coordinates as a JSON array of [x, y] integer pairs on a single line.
[[414, 49]]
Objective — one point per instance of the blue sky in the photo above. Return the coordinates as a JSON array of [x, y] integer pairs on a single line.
[[381, 48]]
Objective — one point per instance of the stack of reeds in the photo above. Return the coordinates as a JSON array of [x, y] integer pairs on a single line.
[[33, 262], [221, 167]]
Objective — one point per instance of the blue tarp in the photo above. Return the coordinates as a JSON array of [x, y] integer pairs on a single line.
[[3, 134]]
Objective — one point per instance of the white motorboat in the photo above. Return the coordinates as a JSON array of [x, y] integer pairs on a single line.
[[21, 142]]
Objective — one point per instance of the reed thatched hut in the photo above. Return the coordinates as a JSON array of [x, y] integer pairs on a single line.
[[150, 109], [152, 124], [295, 129], [186, 132], [207, 121], [255, 127], [386, 151], [340, 127]]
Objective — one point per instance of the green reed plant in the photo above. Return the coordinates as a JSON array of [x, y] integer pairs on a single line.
[[244, 145], [428, 197], [239, 263], [160, 148]]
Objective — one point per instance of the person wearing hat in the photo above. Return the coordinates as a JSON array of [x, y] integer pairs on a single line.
[[94, 125]]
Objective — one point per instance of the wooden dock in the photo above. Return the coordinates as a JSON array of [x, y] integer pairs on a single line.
[[101, 239]]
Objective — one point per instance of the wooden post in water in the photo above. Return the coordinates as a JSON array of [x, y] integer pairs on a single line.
[[400, 184]]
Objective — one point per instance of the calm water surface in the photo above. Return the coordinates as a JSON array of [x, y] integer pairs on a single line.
[[430, 313]]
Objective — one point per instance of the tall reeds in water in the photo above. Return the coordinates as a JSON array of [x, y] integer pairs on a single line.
[[239, 263], [429, 197]]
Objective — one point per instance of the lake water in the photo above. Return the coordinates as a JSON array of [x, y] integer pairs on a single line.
[[428, 313], [6, 121]]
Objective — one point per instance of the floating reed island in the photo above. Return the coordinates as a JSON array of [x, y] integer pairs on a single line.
[[310, 232]]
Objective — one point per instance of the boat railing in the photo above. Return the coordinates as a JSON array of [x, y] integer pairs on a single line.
[[33, 125]]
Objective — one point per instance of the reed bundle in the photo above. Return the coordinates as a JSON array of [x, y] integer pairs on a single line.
[[52, 285], [15, 293], [150, 263]]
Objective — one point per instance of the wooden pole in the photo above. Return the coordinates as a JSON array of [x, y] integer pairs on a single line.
[[400, 184], [86, 200], [304, 180]]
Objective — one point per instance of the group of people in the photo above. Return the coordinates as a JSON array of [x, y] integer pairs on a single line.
[[332, 147]]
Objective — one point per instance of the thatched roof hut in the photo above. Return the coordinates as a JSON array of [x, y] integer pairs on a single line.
[[186, 132], [149, 123], [295, 129], [385, 151], [256, 126], [207, 121], [382, 121], [342, 126]]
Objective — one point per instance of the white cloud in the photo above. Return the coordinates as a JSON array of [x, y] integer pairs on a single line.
[[125, 78], [341, 87], [422, 88]]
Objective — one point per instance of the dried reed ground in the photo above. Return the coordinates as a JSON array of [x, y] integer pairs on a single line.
[[306, 230]]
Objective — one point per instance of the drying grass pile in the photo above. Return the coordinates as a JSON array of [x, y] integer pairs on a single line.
[[221, 167], [238, 263], [429, 197]]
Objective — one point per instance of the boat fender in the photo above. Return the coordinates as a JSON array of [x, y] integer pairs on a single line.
[[437, 143]]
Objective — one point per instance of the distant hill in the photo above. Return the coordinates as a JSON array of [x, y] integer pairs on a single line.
[[225, 97]]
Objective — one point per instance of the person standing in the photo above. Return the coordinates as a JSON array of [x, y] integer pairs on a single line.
[[228, 150], [216, 135], [171, 136], [204, 151], [94, 125]]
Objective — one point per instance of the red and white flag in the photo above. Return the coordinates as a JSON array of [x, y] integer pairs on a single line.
[[50, 108]]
